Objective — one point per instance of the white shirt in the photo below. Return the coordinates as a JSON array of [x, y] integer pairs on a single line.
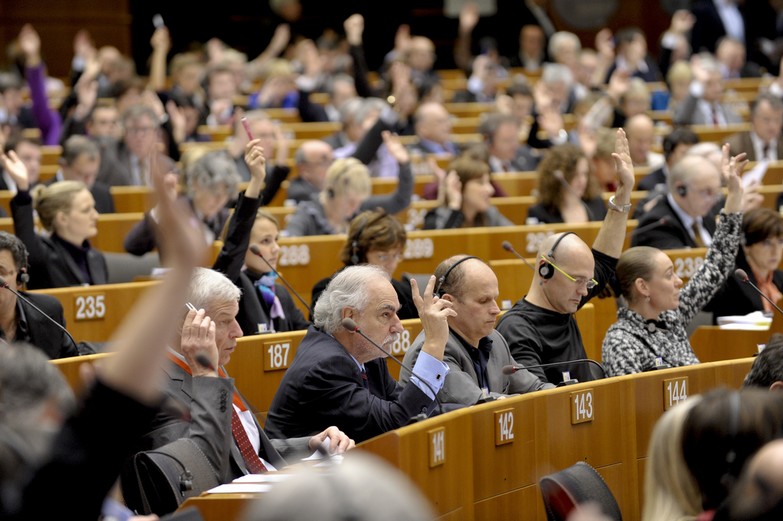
[[687, 221], [758, 148], [731, 18]]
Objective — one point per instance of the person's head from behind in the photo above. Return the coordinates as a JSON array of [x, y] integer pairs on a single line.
[[647, 279], [141, 126], [501, 134], [67, 208], [767, 369], [762, 239], [472, 288], [364, 294], [13, 263], [433, 123], [80, 160], [376, 238], [677, 143], [219, 298], [722, 432], [29, 151], [670, 491], [766, 117], [477, 189], [564, 273], [640, 130], [211, 182], [564, 164], [264, 235], [346, 187], [362, 488], [34, 402], [313, 159], [695, 185]]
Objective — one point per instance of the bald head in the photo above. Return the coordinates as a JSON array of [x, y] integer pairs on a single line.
[[640, 130], [313, 158], [759, 493], [564, 267], [695, 185], [433, 122]]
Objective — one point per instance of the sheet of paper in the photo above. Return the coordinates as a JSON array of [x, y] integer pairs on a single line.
[[755, 174], [269, 477], [240, 488]]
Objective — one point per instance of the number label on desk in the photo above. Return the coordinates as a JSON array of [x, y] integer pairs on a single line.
[[276, 355], [295, 255], [419, 248], [403, 342], [90, 307], [581, 406], [504, 427], [675, 390], [534, 240], [685, 267], [437, 446]]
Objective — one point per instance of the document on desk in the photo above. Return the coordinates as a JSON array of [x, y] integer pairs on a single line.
[[755, 175], [240, 488]]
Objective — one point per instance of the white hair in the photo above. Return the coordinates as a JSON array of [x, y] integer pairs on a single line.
[[209, 287], [556, 73], [348, 289]]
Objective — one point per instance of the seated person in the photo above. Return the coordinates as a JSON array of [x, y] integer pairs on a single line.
[[265, 306], [80, 161], [376, 238], [767, 369], [210, 183], [433, 128], [650, 331], [66, 210], [675, 145], [763, 140], [759, 256], [504, 150], [313, 158], [475, 351], [566, 191], [347, 190], [540, 327], [340, 377], [466, 202], [19, 322]]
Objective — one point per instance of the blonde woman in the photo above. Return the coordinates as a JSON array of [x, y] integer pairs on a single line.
[[67, 211]]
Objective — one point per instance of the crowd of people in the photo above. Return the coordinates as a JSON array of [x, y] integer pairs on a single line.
[[118, 129]]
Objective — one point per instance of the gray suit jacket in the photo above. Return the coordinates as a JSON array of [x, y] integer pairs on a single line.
[[209, 402], [687, 113], [461, 385], [741, 142]]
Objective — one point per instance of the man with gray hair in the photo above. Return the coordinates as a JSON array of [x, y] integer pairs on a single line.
[[224, 427], [340, 377], [703, 104]]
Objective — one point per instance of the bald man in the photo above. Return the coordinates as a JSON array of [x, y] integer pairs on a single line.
[[475, 352], [641, 136], [313, 158], [540, 328], [433, 128], [684, 218]]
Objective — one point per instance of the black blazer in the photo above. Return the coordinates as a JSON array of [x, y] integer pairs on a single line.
[[252, 311], [549, 215], [738, 298], [35, 329], [653, 179], [668, 235], [50, 264]]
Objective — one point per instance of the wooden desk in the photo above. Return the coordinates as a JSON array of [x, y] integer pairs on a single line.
[[711, 343], [69, 367]]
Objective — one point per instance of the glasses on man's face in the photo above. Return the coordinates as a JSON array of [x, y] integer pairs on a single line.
[[581, 281], [395, 256]]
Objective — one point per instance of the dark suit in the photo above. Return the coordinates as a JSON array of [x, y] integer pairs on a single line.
[[688, 113], [462, 384], [708, 28], [252, 310], [323, 386], [116, 169], [653, 179], [551, 214], [741, 142], [50, 263], [739, 298], [35, 329], [668, 235]]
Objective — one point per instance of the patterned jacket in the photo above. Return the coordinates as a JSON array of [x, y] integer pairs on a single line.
[[632, 344]]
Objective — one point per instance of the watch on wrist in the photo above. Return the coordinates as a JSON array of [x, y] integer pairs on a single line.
[[618, 208]]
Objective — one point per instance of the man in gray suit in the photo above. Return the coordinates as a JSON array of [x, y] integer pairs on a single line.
[[703, 104], [475, 352], [766, 121]]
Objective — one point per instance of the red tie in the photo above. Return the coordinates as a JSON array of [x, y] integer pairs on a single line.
[[715, 118], [252, 461]]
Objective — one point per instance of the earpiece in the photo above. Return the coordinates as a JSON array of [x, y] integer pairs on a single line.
[[682, 190], [356, 238], [545, 270], [186, 481], [355, 252], [22, 277], [439, 291]]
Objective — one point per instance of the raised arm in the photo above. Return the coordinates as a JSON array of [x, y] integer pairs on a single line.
[[401, 198], [611, 237]]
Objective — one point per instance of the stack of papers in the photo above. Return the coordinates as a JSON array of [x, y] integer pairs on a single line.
[[756, 321]]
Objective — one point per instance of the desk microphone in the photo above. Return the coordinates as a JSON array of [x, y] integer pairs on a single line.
[[743, 277], [511, 369], [4, 284], [256, 251], [509, 248], [570, 189], [351, 326], [649, 226]]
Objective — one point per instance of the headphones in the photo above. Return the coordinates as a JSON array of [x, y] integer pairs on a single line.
[[545, 270], [22, 277], [349, 163], [682, 190], [358, 235], [442, 280]]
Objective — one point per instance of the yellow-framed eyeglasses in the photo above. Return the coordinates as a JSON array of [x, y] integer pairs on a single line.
[[588, 283]]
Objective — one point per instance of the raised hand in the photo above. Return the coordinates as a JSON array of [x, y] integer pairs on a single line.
[[682, 21], [395, 147], [198, 338], [434, 313], [354, 29], [280, 39], [16, 169], [468, 17], [256, 163], [731, 169], [623, 164], [453, 191], [30, 44]]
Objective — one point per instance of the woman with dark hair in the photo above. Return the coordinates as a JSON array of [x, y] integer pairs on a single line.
[[566, 191], [465, 198], [376, 238], [760, 256], [650, 329]]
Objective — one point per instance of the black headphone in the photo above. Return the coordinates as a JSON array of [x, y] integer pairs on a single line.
[[22, 277], [336, 179], [357, 236], [545, 270], [442, 280], [682, 190]]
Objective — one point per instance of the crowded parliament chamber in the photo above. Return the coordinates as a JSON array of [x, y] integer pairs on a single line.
[[457, 260]]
